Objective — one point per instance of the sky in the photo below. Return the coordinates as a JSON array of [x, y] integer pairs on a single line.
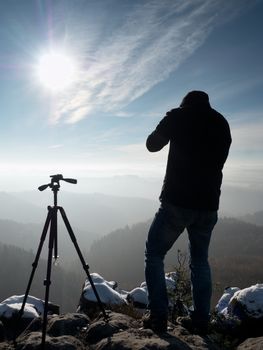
[[132, 62]]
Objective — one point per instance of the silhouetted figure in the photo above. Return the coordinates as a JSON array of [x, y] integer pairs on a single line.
[[199, 140]]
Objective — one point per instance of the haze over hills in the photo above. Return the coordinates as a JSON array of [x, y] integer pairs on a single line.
[[17, 265], [235, 200], [22, 218], [235, 254], [93, 215], [92, 212], [238, 201], [255, 218], [111, 230]]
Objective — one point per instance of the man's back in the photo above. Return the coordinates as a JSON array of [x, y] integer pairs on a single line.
[[199, 142]]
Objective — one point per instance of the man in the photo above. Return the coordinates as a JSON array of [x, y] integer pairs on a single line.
[[199, 143]]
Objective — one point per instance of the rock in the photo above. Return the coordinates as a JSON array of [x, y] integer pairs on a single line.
[[12, 305], [107, 292], [137, 339], [89, 308], [138, 297], [67, 324], [247, 303], [101, 329], [2, 332], [33, 341], [194, 342], [58, 325], [33, 307], [13, 327], [35, 325], [240, 312], [125, 333], [223, 302], [171, 280], [251, 344], [5, 346]]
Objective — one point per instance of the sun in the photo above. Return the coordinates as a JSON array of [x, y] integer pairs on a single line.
[[56, 71]]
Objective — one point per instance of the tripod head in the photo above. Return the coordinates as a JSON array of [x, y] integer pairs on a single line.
[[54, 184]]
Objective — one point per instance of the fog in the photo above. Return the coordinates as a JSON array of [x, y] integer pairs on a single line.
[[236, 200]]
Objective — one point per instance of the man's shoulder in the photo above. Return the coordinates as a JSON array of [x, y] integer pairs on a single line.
[[174, 112], [220, 118]]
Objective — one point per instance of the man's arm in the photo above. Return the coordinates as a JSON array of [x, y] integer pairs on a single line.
[[161, 135], [155, 141]]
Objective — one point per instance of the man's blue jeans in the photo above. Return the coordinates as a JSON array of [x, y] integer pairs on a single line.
[[170, 221]]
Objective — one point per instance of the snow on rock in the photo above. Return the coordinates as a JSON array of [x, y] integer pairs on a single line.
[[223, 302], [138, 297], [33, 307], [241, 311], [171, 280], [247, 302], [96, 278], [105, 290], [110, 294]]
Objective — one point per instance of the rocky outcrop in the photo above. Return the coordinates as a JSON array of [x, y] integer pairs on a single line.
[[119, 332], [236, 324], [75, 331], [2, 332], [123, 332], [32, 341], [240, 312], [252, 344]]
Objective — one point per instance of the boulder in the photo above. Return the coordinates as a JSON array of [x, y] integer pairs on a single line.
[[107, 292], [2, 332], [240, 312], [247, 303], [223, 302], [138, 338], [32, 341], [138, 297], [67, 324], [116, 323], [33, 307], [251, 344]]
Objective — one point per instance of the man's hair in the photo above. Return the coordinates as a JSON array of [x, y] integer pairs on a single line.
[[195, 99]]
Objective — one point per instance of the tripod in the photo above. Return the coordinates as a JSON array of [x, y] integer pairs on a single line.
[[51, 223]]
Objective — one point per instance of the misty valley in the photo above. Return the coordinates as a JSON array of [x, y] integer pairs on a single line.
[[111, 233]]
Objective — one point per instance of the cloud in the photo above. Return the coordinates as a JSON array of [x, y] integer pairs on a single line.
[[154, 38]]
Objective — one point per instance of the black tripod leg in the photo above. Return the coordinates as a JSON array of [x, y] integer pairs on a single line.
[[47, 282], [85, 266], [35, 263]]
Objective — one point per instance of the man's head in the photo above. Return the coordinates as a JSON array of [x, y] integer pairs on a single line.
[[195, 99]]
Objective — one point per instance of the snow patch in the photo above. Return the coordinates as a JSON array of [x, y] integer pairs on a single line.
[[11, 306]]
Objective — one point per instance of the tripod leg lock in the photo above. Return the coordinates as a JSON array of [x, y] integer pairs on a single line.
[[47, 283], [87, 266]]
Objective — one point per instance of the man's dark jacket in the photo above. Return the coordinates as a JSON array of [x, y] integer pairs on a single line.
[[199, 144]]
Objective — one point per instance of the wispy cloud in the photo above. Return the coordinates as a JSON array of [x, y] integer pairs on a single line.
[[153, 40]]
